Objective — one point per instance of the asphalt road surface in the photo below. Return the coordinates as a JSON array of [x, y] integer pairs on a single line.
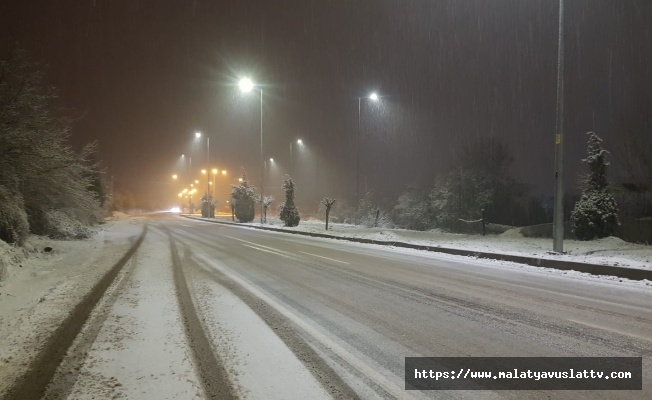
[[354, 312], [206, 310]]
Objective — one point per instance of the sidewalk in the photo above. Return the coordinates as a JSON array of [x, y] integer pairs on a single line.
[[609, 256]]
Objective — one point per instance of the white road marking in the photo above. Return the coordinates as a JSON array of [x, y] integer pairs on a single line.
[[266, 249], [269, 251], [325, 258]]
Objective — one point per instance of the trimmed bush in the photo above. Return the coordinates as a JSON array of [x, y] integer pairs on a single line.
[[289, 213]]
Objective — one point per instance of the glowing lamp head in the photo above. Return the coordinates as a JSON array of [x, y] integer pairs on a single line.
[[374, 96], [246, 85], [197, 135]]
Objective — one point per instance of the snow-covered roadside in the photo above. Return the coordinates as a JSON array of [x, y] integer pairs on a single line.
[[133, 345], [608, 251], [40, 288]]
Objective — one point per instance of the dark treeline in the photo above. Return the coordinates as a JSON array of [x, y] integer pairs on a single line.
[[46, 187]]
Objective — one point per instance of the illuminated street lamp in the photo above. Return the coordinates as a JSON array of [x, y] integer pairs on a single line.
[[247, 85], [175, 176]]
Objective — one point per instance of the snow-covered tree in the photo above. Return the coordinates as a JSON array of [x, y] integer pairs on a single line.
[[289, 213], [461, 196], [266, 201], [413, 210], [244, 197], [370, 214], [37, 164], [596, 213], [208, 206]]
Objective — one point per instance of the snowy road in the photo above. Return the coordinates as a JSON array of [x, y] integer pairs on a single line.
[[213, 311]]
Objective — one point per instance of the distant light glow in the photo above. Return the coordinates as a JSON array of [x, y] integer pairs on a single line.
[[175, 210], [174, 176], [246, 85], [214, 171], [271, 160], [299, 141], [197, 135], [203, 171], [223, 172], [374, 96]]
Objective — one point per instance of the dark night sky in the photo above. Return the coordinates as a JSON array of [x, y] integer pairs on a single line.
[[145, 75]]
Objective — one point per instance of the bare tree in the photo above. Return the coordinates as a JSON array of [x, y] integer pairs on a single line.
[[266, 200], [328, 203]]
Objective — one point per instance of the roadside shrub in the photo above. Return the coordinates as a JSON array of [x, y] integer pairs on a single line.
[[244, 197], [14, 226], [289, 213], [60, 225]]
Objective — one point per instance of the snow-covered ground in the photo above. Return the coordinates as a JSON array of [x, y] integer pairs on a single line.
[[39, 287], [608, 251]]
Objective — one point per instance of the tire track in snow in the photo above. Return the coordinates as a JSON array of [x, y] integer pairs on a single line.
[[211, 371], [34, 383]]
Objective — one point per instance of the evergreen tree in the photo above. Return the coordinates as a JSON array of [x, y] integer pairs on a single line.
[[244, 197], [289, 213], [596, 213]]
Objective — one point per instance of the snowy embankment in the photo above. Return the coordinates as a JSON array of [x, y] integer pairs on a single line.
[[44, 280], [608, 251]]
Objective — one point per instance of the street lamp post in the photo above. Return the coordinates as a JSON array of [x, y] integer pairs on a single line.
[[373, 97], [208, 149], [299, 142], [246, 85], [558, 218]]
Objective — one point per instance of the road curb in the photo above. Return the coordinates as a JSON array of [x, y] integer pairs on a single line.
[[594, 269]]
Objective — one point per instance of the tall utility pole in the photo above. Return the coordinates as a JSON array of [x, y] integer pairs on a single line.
[[262, 161], [558, 219], [208, 150]]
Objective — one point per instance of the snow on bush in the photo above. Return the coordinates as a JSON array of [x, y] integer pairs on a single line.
[[61, 225], [14, 227], [596, 213], [289, 213], [244, 197], [413, 210]]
